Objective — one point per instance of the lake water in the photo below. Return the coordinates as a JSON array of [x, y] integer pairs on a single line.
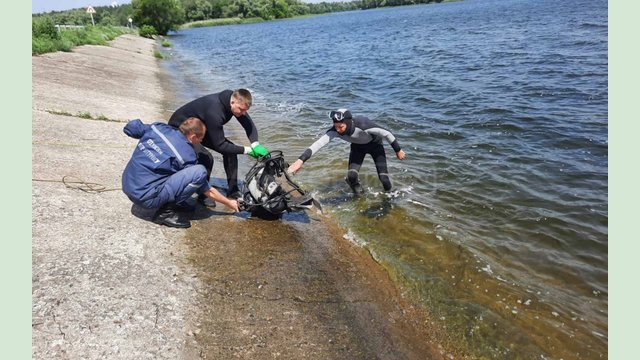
[[498, 223]]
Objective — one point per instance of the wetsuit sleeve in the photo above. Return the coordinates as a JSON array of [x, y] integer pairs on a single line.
[[319, 144], [135, 128], [378, 131], [249, 127], [216, 138]]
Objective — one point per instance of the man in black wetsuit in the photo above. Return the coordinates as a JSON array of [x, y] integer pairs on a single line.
[[215, 110], [365, 138]]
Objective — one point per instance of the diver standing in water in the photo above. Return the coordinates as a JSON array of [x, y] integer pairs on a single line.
[[365, 138]]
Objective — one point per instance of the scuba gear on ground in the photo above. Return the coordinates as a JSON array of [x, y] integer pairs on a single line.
[[268, 189]]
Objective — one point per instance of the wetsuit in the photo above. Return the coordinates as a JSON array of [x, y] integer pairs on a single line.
[[215, 111], [163, 166], [365, 138]]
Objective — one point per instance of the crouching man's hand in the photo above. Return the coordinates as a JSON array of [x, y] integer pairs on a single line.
[[216, 196], [233, 205]]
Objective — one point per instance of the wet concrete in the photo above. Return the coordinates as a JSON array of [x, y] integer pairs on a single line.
[[294, 289], [108, 285]]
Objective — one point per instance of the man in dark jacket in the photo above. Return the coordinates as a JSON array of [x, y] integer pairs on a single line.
[[215, 110], [163, 173], [365, 138]]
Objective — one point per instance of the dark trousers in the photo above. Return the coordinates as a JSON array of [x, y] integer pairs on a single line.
[[356, 157], [230, 162]]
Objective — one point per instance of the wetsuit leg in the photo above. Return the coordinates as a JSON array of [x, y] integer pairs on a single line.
[[206, 159], [356, 157], [230, 162], [380, 159]]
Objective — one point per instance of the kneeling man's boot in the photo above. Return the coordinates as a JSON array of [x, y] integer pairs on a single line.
[[143, 213], [168, 216]]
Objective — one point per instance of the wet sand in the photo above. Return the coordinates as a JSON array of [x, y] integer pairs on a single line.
[[106, 284]]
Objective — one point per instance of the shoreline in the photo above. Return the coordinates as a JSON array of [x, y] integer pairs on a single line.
[[108, 284]]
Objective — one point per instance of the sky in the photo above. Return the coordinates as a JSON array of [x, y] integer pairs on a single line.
[[39, 6]]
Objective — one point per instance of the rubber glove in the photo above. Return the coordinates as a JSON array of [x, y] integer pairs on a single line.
[[253, 154], [260, 150]]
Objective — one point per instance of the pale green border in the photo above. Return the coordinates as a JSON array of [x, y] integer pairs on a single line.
[[15, 213], [624, 160]]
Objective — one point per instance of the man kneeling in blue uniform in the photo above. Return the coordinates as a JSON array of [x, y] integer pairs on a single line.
[[163, 171]]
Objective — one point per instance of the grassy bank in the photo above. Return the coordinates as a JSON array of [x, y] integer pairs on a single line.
[[219, 22], [46, 38], [236, 21]]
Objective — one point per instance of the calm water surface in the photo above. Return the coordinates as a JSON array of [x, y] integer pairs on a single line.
[[498, 223]]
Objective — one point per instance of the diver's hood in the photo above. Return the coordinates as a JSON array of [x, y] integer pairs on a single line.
[[350, 127]]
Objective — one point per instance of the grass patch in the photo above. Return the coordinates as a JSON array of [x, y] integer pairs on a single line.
[[59, 112], [165, 43], [83, 115], [158, 54], [44, 41]]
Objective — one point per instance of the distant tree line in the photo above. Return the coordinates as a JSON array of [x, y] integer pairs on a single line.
[[161, 16], [104, 15]]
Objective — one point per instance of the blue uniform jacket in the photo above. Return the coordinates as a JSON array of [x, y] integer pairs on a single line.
[[161, 152]]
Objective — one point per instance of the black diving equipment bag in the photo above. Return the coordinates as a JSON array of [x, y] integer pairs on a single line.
[[268, 190]]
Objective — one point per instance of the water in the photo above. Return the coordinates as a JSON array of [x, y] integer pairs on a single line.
[[498, 223]]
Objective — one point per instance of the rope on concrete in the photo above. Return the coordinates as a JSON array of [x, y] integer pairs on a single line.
[[72, 182]]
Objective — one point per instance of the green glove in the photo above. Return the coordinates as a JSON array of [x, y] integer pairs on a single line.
[[259, 150], [253, 154]]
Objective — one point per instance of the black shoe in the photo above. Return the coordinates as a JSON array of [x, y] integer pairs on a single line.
[[142, 213], [205, 201], [167, 216], [184, 207]]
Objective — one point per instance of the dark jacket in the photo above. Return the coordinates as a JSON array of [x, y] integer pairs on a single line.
[[215, 111]]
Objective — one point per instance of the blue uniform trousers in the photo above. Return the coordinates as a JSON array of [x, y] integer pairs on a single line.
[[178, 187]]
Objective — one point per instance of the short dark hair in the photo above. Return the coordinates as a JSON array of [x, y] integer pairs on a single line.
[[193, 125], [243, 96]]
